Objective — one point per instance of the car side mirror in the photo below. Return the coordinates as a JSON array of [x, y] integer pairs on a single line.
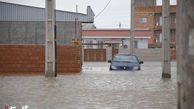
[[140, 62], [109, 61]]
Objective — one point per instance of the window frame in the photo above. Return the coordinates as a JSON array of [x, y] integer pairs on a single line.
[[142, 19]]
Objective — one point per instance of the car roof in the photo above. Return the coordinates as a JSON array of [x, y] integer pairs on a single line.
[[125, 55]]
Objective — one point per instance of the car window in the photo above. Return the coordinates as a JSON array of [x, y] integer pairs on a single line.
[[123, 58]]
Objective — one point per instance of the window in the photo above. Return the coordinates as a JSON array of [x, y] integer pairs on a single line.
[[100, 44], [157, 23], [142, 20], [175, 20], [86, 46], [160, 37], [173, 36], [160, 20], [156, 39], [91, 42]]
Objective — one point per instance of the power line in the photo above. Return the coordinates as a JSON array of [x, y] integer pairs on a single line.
[[102, 9]]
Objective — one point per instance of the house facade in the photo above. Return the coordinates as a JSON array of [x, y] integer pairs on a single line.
[[102, 38], [150, 18]]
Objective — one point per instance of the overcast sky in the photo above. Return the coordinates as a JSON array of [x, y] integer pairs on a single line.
[[118, 11]]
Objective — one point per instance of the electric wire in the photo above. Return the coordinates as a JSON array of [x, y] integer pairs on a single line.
[[102, 10]]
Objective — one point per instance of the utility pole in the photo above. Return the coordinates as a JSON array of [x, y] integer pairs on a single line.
[[77, 21], [185, 54], [76, 24], [132, 28], [166, 40], [50, 39]]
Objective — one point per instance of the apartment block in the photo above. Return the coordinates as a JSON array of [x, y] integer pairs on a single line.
[[150, 18]]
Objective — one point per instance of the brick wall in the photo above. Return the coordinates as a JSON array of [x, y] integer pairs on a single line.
[[148, 24], [30, 59], [173, 54], [151, 40], [68, 59], [153, 8], [114, 52]]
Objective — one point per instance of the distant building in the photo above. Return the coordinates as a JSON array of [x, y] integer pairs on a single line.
[[20, 24], [101, 38], [88, 26], [17, 12], [150, 18]]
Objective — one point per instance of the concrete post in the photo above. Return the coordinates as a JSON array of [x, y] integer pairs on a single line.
[[166, 71], [132, 28], [185, 54], [50, 41]]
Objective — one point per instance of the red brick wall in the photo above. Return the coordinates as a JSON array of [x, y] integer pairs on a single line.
[[148, 24], [68, 59], [151, 40], [114, 52], [153, 8], [30, 59], [173, 54]]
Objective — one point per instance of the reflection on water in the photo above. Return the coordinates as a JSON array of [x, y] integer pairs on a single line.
[[94, 88]]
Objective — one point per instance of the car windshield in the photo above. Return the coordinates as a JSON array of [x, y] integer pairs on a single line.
[[125, 58]]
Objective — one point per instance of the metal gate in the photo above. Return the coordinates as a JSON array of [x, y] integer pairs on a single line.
[[94, 55]]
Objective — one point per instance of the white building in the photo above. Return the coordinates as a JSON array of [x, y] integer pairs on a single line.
[[100, 38]]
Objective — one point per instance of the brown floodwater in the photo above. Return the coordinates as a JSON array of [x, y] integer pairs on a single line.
[[95, 88]]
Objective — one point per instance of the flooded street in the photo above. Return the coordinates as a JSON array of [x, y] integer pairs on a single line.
[[95, 88]]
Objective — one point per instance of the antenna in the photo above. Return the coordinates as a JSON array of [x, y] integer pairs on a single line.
[[120, 25], [76, 8]]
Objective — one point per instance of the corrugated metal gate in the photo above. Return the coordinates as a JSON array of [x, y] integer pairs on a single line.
[[95, 55]]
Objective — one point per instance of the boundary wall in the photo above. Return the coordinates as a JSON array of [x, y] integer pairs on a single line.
[[30, 59]]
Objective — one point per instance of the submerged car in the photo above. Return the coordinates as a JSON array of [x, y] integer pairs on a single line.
[[125, 62]]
